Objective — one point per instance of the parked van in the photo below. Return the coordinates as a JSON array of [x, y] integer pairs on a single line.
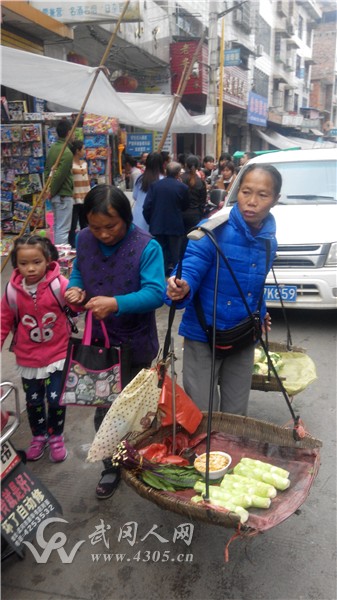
[[306, 228]]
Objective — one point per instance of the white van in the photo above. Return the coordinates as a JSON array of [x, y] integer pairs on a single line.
[[306, 228]]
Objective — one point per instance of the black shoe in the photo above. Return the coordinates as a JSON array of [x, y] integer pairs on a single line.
[[108, 483]]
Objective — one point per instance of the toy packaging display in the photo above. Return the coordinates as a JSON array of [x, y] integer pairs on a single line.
[[66, 258], [6, 244], [21, 175]]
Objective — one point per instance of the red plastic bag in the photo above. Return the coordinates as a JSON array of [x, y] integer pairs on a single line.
[[188, 414]]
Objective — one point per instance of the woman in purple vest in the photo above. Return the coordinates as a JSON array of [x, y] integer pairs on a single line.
[[119, 274]]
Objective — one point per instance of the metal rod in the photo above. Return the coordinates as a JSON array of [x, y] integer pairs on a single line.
[[173, 378]]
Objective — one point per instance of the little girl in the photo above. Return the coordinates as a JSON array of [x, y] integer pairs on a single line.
[[33, 306]]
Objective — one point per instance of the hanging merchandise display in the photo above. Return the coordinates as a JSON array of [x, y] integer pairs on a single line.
[[21, 175], [96, 132]]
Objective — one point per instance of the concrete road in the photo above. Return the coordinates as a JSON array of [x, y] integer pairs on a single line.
[[294, 561]]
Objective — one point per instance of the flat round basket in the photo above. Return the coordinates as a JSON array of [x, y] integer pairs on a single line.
[[240, 436]]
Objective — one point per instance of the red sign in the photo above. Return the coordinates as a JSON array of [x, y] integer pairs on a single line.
[[181, 53]]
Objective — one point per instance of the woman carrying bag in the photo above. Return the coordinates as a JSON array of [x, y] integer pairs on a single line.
[[248, 241], [118, 274]]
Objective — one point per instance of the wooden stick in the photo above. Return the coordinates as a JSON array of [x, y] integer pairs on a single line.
[[180, 92], [43, 194]]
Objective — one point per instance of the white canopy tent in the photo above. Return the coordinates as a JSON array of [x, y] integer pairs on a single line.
[[67, 84]]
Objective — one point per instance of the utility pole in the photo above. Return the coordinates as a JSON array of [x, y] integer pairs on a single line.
[[213, 59], [214, 140]]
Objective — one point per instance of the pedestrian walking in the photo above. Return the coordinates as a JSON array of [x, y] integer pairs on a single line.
[[132, 172], [248, 240], [153, 172], [32, 306], [119, 274], [81, 185], [163, 211], [61, 184], [197, 193]]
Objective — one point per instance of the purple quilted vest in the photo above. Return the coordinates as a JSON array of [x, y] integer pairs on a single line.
[[115, 275]]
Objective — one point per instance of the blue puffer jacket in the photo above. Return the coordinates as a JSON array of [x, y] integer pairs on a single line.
[[247, 256]]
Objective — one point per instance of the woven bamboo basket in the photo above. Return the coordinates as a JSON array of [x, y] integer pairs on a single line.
[[270, 384], [245, 428]]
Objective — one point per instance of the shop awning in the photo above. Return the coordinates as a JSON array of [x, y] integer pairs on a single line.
[[67, 84], [317, 132], [285, 143], [275, 139]]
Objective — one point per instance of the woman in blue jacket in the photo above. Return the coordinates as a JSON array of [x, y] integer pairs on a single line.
[[244, 239]]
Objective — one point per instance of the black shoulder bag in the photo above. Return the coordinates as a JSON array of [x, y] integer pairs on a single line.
[[245, 333]]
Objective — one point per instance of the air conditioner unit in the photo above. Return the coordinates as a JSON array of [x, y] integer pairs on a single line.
[[311, 87], [290, 93], [289, 63], [259, 49]]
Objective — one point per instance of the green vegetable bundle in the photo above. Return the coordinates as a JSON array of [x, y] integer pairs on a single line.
[[159, 476], [170, 478], [261, 361]]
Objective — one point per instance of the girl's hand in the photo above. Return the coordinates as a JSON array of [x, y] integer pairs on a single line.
[[177, 289], [102, 306], [266, 325], [74, 295]]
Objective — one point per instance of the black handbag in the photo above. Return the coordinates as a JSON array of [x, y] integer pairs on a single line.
[[229, 341], [94, 374]]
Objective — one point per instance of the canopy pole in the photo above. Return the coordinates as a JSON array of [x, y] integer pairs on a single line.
[[180, 92], [220, 108], [43, 194]]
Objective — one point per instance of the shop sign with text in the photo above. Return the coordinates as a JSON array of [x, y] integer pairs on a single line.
[[257, 113], [82, 12]]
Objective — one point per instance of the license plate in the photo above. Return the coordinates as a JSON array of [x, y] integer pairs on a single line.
[[288, 293]]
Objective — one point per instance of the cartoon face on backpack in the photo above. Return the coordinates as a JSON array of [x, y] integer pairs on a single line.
[[40, 334]]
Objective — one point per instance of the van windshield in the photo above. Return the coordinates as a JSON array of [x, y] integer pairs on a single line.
[[304, 183]]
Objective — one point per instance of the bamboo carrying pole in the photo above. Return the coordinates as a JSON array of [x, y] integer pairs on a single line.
[[180, 92], [43, 194]]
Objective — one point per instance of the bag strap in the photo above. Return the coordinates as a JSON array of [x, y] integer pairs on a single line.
[[55, 287], [87, 334], [11, 295], [197, 301]]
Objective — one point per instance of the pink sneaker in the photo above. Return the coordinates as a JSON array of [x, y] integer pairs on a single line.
[[58, 451], [37, 447]]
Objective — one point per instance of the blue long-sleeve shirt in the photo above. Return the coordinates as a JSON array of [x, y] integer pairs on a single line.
[[152, 279]]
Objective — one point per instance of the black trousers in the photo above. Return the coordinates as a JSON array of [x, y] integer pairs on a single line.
[[171, 246], [77, 217]]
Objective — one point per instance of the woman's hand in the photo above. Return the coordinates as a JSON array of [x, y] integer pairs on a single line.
[[102, 306], [74, 295], [266, 325], [177, 289]]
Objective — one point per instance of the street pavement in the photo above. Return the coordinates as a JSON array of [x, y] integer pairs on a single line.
[[293, 561]]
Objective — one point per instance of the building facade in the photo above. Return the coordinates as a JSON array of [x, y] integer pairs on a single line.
[[277, 71]]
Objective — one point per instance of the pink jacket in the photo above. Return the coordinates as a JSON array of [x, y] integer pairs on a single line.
[[43, 331]]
